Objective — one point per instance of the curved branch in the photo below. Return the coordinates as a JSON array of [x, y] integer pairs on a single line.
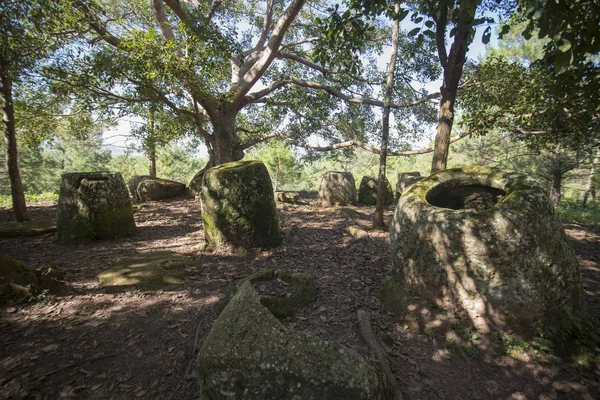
[[359, 100], [97, 25], [366, 147], [255, 96], [268, 54]]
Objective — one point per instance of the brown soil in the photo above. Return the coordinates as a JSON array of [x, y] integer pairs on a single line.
[[86, 343]]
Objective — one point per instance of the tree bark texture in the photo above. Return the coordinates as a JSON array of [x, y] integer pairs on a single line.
[[226, 146], [452, 65], [10, 138], [590, 183], [556, 189], [152, 160], [378, 221]]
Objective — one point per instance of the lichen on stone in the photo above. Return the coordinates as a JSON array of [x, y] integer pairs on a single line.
[[337, 189], [367, 192], [506, 262], [249, 354], [93, 205], [304, 290], [238, 207]]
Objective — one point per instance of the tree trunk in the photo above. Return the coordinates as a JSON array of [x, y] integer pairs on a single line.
[[452, 65], [452, 74], [10, 138], [555, 191], [152, 161], [590, 183], [226, 145], [378, 221]]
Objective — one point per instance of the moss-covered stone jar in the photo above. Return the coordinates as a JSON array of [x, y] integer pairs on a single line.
[[238, 206], [367, 192], [337, 189], [93, 205], [488, 242]]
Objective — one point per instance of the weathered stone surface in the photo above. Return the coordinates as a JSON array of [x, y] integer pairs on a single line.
[[238, 207], [337, 189], [27, 228], [287, 197], [302, 289], [133, 184], [159, 189], [93, 205], [145, 188], [367, 192], [147, 271], [405, 180], [499, 252], [357, 233], [249, 354]]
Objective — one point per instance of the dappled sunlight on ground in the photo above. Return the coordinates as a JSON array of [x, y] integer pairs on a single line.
[[86, 342]]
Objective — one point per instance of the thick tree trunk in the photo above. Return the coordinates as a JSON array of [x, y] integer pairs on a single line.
[[378, 221], [590, 183], [556, 189], [10, 137], [226, 145]]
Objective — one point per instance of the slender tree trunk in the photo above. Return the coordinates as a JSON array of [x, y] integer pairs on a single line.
[[556, 189], [152, 160], [10, 138], [452, 65], [378, 221], [151, 147], [590, 183]]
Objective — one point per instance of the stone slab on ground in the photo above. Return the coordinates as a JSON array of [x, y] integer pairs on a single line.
[[28, 228], [249, 354], [147, 271]]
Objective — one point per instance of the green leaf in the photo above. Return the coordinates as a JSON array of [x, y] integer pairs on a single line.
[[414, 32], [487, 34], [429, 24], [564, 45], [429, 33]]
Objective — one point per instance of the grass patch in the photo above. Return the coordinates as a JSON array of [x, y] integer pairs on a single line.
[[6, 200], [573, 212]]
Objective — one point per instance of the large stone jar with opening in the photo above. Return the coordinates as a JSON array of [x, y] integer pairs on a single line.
[[487, 242], [93, 205]]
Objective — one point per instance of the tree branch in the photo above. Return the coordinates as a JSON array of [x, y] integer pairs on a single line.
[[258, 140], [253, 97], [158, 9], [97, 25], [359, 100], [366, 147], [268, 54]]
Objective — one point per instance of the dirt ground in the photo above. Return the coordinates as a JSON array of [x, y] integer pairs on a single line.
[[86, 343]]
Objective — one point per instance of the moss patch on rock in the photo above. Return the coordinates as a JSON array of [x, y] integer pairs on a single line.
[[367, 192], [301, 290], [249, 354], [405, 180], [93, 205], [337, 189], [147, 271], [27, 228], [238, 207], [505, 262]]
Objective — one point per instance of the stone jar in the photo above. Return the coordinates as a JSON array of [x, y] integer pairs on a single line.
[[488, 242]]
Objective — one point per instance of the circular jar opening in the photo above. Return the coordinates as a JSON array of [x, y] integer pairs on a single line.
[[457, 196]]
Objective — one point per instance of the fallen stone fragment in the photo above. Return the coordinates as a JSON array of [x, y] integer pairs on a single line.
[[249, 354]]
